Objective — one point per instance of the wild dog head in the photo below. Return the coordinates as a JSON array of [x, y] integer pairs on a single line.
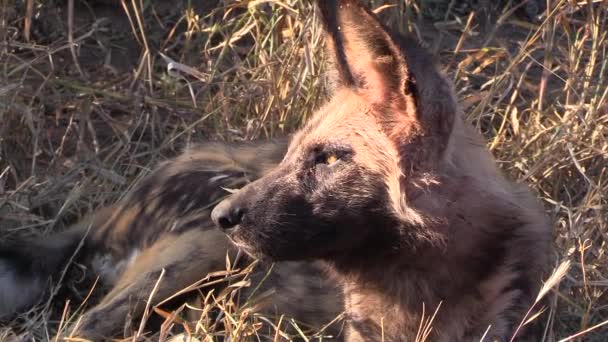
[[349, 174]]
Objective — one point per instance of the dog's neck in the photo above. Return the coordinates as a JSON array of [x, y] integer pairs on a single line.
[[391, 288], [386, 284], [384, 289]]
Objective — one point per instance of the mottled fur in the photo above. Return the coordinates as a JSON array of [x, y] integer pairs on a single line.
[[398, 197], [163, 224]]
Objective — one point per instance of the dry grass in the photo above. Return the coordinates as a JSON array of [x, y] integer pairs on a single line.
[[87, 107]]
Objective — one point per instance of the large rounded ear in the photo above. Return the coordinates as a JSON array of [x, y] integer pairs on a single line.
[[390, 71], [361, 51]]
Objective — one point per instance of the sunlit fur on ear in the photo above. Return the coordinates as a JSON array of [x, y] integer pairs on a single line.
[[409, 97], [363, 54]]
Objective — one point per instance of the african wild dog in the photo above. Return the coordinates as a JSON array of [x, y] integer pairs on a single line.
[[385, 188], [398, 197]]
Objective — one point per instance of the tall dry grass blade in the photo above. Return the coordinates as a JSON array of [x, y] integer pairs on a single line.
[[485, 333], [71, 38], [553, 280], [426, 324], [582, 333], [147, 311]]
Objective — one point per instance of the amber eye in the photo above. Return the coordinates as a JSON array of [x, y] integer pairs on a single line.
[[330, 158], [326, 158]]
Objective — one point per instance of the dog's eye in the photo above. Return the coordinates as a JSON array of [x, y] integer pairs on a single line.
[[331, 158], [326, 158]]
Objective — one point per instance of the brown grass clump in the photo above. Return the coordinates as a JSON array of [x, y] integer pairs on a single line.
[[88, 106]]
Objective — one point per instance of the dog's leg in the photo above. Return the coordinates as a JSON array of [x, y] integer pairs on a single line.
[[295, 289], [182, 259]]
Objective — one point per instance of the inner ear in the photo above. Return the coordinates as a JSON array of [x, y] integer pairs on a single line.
[[363, 53], [393, 73]]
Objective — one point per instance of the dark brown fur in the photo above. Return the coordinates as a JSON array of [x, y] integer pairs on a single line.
[[398, 197]]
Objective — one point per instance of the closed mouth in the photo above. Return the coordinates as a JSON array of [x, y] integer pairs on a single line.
[[240, 244], [250, 250]]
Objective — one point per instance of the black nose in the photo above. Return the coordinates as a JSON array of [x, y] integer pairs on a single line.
[[227, 216]]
